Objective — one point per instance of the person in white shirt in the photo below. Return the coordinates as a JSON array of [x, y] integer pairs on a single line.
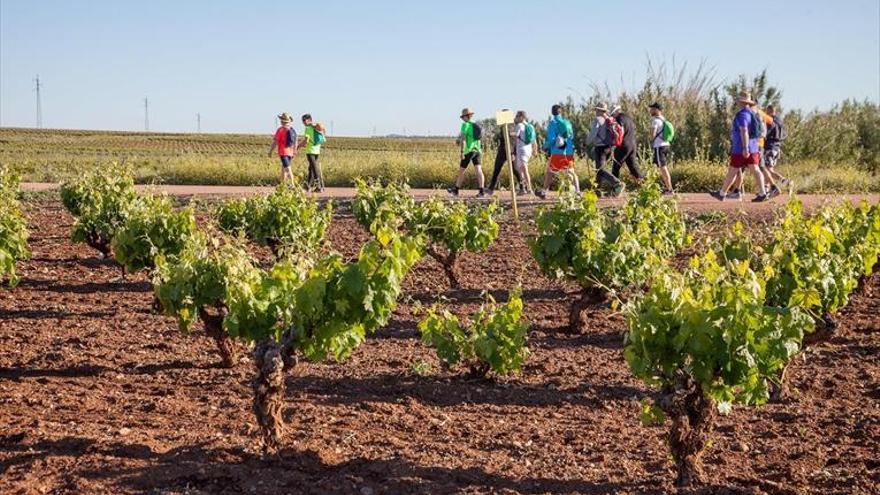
[[526, 146], [659, 147]]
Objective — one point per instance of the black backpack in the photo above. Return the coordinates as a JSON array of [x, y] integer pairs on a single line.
[[477, 130], [776, 132]]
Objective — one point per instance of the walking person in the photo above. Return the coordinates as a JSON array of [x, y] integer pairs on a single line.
[[762, 123], [626, 153], [560, 146], [526, 146], [314, 136], [773, 146], [661, 135], [471, 151], [501, 157], [285, 142], [602, 141], [743, 149]]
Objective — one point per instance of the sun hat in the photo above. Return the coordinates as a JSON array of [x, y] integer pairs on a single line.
[[466, 111], [745, 97], [601, 107], [615, 109], [320, 128], [285, 117], [656, 105]]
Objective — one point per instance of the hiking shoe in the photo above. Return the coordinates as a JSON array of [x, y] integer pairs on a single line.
[[735, 194], [452, 190], [619, 188], [717, 195], [774, 191], [668, 192], [784, 181], [541, 194], [482, 194], [760, 198]]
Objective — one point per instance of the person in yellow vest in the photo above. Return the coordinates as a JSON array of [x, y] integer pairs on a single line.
[[314, 136]]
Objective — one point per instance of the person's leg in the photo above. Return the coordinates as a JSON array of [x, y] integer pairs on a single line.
[[602, 153], [759, 179], [478, 164], [315, 180], [574, 178], [617, 159], [285, 168], [661, 155], [632, 164], [522, 164], [738, 182], [462, 168], [499, 164], [733, 174]]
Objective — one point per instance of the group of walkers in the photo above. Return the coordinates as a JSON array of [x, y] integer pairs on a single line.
[[756, 137], [286, 142], [612, 137]]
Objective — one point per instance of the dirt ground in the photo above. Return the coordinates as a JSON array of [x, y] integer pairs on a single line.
[[98, 394]]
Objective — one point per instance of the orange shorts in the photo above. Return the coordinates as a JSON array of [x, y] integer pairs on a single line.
[[558, 163]]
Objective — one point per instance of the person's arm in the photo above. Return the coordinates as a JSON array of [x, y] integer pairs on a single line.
[[744, 135], [271, 147]]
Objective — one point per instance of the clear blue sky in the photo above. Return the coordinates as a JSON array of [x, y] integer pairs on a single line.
[[402, 65]]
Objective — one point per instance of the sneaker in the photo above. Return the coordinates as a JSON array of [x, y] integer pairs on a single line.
[[668, 192], [541, 194], [619, 189], [452, 190], [482, 193], [717, 195], [760, 198], [774, 191], [735, 194], [784, 181]]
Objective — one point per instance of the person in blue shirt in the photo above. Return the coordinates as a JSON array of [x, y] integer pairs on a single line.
[[560, 145]]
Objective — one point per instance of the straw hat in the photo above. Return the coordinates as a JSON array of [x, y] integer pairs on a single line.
[[615, 110], [745, 97], [601, 107], [320, 128], [466, 111], [285, 117]]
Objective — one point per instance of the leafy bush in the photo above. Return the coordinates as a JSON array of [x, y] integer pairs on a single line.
[[495, 339], [375, 206], [13, 228], [101, 199], [152, 228], [606, 252], [453, 227], [197, 282], [708, 340], [287, 221]]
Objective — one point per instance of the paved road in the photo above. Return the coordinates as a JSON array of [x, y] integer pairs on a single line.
[[687, 201]]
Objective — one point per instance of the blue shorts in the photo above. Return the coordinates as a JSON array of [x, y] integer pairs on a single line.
[[285, 161]]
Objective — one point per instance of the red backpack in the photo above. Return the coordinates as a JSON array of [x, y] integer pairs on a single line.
[[613, 132]]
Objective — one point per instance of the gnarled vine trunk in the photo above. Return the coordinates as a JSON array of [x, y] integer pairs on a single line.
[[272, 359], [693, 420], [449, 263], [100, 243], [213, 323], [576, 320]]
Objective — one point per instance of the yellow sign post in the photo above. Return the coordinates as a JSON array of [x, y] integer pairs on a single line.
[[504, 118]]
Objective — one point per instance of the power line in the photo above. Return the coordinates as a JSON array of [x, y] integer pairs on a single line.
[[146, 114], [199, 122], [39, 103]]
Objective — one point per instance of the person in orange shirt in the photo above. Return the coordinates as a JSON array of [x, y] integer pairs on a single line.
[[285, 141], [773, 189]]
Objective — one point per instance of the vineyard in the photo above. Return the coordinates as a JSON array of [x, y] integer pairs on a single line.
[[277, 343]]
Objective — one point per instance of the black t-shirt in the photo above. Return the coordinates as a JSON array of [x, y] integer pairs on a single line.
[[629, 129]]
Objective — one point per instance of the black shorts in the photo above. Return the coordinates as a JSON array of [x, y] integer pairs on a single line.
[[661, 156], [285, 162], [473, 156], [771, 156]]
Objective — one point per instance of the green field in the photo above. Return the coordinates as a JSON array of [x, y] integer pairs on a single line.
[[240, 159]]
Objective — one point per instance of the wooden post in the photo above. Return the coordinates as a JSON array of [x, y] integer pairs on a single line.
[[512, 181]]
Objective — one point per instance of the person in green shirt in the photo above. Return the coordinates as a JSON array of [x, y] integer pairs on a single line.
[[313, 137], [471, 151]]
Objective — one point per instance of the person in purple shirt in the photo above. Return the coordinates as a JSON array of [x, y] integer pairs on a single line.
[[744, 151]]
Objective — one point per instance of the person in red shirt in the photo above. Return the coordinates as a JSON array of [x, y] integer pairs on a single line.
[[284, 141]]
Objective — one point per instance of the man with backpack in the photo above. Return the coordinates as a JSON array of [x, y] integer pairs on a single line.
[[662, 133], [285, 142], [526, 146], [501, 157], [313, 138], [471, 151], [560, 146], [744, 151], [626, 153], [605, 134], [762, 123], [773, 146]]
